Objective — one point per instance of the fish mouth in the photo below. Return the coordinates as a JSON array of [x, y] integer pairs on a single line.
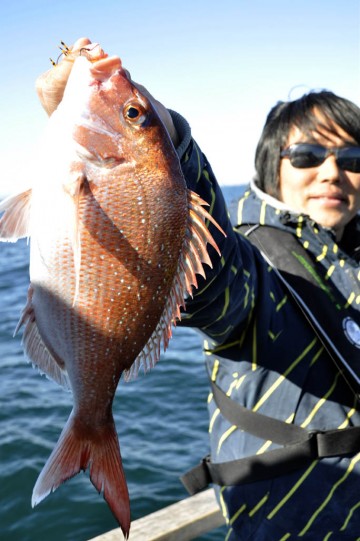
[[104, 68], [96, 159]]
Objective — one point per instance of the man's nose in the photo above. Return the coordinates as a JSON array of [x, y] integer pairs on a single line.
[[329, 170]]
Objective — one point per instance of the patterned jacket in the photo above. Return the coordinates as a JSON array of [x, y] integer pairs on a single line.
[[262, 353]]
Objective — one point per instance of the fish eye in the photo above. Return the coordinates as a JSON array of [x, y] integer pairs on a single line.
[[134, 114]]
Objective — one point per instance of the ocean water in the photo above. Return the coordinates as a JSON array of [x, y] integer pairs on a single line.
[[161, 418]]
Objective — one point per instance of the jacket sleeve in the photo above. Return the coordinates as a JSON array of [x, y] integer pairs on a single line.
[[224, 301]]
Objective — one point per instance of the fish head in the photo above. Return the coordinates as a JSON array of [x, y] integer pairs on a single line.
[[115, 123]]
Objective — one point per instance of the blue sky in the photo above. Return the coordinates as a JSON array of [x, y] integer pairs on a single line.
[[220, 64]]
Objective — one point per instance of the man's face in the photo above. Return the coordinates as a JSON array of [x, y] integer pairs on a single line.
[[326, 193]]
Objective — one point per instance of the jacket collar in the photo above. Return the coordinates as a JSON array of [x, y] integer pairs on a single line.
[[257, 207]]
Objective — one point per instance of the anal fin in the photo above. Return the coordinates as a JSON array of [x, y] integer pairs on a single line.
[[38, 353], [36, 350]]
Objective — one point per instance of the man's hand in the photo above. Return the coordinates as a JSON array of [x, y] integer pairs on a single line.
[[50, 85]]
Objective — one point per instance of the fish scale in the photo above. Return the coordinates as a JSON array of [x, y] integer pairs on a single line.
[[116, 242]]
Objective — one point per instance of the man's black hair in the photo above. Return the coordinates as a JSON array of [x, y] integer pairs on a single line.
[[300, 113]]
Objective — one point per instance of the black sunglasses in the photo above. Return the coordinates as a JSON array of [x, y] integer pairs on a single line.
[[304, 155]]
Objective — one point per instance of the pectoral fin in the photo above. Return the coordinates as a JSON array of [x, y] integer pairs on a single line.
[[14, 224]]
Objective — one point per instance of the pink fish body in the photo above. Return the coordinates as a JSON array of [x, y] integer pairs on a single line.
[[116, 241]]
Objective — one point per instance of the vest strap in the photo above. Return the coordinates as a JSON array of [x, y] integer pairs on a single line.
[[319, 303], [301, 447]]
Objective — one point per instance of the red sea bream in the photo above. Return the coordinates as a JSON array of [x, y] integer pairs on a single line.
[[116, 241]]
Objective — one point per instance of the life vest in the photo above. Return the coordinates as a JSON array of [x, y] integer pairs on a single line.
[[339, 334]]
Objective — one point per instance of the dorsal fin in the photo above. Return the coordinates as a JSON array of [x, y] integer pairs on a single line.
[[193, 256]]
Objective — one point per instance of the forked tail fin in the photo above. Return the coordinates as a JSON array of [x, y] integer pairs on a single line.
[[79, 448]]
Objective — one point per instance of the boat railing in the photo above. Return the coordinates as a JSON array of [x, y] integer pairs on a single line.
[[181, 521]]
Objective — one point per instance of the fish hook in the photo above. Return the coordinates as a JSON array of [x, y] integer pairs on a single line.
[[65, 50], [87, 49]]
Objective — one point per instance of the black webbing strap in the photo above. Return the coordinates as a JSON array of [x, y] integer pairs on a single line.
[[257, 424], [300, 448], [296, 270]]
